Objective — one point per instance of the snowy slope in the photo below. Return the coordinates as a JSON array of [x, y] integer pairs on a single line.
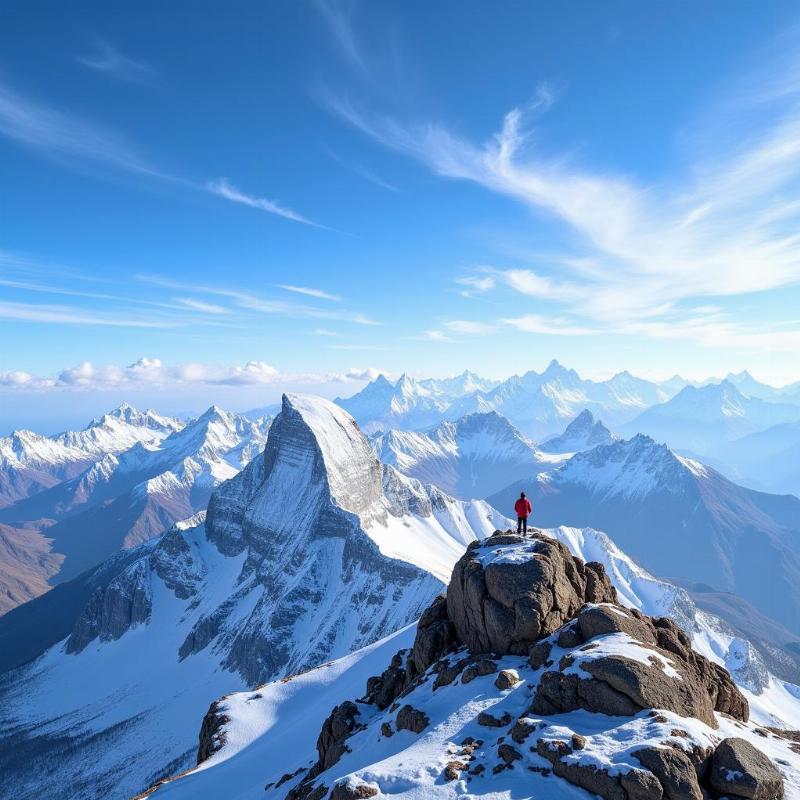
[[272, 730], [473, 456], [678, 518], [313, 550]]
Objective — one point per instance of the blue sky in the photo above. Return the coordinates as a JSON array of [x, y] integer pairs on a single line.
[[215, 203]]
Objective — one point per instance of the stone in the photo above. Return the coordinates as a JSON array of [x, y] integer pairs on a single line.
[[507, 679], [674, 771], [483, 666], [740, 769], [539, 654], [411, 719], [508, 754], [348, 791], [489, 721], [453, 770], [624, 686], [384, 689], [386, 730], [578, 741], [510, 604], [640, 784], [340, 724], [435, 637], [522, 729]]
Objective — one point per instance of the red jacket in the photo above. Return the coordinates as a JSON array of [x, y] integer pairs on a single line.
[[523, 507]]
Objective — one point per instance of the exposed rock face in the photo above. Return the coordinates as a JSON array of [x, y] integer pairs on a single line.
[[657, 668], [110, 612], [212, 736], [411, 719], [505, 604], [740, 770]]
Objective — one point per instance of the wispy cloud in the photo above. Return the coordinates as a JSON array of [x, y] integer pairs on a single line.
[[81, 142], [310, 292], [69, 315], [62, 135], [325, 332], [642, 252], [264, 305], [223, 188], [106, 58], [338, 14], [470, 328], [201, 305], [366, 174]]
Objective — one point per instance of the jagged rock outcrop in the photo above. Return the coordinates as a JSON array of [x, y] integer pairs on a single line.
[[111, 611], [511, 596], [503, 605], [657, 669], [212, 733]]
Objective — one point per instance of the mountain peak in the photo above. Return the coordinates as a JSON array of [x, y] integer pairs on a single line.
[[318, 445]]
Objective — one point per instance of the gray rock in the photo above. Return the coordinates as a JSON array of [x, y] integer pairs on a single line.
[[506, 679], [348, 791], [674, 770], [739, 769], [490, 721], [212, 734], [508, 754], [509, 605], [411, 719], [335, 730], [483, 666]]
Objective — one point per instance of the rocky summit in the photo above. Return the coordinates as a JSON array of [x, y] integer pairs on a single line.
[[493, 695]]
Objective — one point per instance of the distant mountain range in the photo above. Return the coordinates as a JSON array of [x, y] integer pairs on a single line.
[[701, 419], [538, 404], [30, 462], [123, 497], [679, 518]]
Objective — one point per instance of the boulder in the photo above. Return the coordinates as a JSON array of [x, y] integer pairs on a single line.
[[510, 591], [349, 791], [411, 719], [742, 770], [675, 677], [335, 730], [674, 770], [506, 679]]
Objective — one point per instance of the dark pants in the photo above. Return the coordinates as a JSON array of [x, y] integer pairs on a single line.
[[522, 524]]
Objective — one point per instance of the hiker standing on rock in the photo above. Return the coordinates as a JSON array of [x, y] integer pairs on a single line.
[[523, 508]]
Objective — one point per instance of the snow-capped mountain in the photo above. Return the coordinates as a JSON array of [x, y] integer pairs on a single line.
[[263, 736], [30, 462], [473, 456], [700, 419], [678, 518], [538, 404], [407, 404], [124, 498], [313, 550], [583, 433]]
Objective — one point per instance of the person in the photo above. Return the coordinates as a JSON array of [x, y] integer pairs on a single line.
[[523, 508]]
